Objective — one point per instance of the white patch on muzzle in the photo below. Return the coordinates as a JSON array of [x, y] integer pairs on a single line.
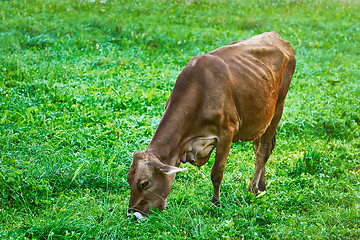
[[137, 215]]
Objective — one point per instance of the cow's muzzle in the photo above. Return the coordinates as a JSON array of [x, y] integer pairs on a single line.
[[136, 215]]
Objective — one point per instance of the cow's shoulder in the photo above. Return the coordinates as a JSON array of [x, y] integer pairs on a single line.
[[205, 69]]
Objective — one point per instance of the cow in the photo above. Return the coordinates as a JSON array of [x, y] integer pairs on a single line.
[[234, 93]]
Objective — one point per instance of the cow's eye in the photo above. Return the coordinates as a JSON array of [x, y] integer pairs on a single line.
[[144, 184]]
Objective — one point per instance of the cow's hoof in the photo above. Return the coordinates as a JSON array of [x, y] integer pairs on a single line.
[[255, 189], [261, 194], [216, 202]]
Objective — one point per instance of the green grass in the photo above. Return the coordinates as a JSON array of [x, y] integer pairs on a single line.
[[83, 84]]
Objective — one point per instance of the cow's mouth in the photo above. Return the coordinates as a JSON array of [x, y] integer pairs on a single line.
[[136, 215]]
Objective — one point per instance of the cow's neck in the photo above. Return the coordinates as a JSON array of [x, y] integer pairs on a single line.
[[169, 138], [166, 145], [175, 126]]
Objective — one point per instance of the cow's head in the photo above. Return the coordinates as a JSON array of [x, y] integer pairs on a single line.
[[150, 181]]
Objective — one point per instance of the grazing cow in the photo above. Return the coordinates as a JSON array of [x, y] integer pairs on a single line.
[[234, 93]]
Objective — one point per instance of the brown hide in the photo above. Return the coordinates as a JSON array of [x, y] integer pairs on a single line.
[[234, 93]]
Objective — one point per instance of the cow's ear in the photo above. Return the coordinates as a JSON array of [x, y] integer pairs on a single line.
[[164, 168], [168, 170]]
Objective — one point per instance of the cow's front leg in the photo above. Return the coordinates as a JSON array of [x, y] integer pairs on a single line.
[[217, 170]]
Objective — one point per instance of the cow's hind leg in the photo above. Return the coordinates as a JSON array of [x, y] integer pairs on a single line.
[[263, 147]]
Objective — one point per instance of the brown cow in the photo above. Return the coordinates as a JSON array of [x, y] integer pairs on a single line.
[[234, 93]]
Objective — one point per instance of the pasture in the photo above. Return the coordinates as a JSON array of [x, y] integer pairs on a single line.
[[83, 84]]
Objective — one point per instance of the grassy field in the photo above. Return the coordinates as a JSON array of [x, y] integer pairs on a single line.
[[84, 83]]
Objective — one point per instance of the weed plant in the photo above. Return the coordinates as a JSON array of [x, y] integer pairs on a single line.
[[84, 83]]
